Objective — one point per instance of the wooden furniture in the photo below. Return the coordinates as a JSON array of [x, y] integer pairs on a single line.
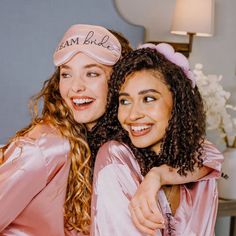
[[228, 208]]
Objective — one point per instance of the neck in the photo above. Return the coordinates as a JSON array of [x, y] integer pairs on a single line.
[[156, 148]]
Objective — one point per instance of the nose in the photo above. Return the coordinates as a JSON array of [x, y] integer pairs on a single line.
[[135, 112], [77, 85]]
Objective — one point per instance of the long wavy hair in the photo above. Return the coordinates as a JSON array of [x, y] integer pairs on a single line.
[[57, 113], [181, 147]]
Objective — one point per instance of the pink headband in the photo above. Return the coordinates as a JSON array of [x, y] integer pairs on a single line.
[[175, 57], [95, 41]]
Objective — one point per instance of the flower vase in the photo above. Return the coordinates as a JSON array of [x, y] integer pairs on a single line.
[[226, 186]]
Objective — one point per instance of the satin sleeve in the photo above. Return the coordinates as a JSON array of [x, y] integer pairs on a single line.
[[213, 159], [116, 178], [22, 176]]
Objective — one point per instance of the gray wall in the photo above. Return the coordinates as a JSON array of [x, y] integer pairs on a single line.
[[29, 33], [217, 53]]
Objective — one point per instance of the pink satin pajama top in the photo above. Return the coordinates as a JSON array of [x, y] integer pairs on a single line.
[[33, 182], [116, 178]]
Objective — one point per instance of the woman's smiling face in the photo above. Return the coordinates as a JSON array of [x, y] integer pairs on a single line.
[[145, 107], [83, 86]]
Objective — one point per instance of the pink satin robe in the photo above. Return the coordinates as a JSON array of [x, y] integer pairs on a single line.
[[33, 182], [116, 178]]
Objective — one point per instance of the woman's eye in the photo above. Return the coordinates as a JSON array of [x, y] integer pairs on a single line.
[[124, 102], [92, 74], [65, 75], [149, 99]]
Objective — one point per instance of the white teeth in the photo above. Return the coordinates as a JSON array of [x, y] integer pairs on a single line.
[[82, 101], [140, 128]]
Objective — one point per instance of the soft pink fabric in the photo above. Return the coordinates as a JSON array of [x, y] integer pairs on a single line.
[[116, 178], [33, 183]]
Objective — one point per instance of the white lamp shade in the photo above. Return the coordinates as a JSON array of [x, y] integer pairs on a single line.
[[194, 16]]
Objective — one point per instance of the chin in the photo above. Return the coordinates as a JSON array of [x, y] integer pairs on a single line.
[[140, 144]]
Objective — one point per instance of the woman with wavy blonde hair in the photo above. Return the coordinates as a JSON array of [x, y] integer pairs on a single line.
[[45, 179]]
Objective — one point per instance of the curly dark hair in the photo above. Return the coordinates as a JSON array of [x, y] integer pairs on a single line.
[[181, 147], [106, 128]]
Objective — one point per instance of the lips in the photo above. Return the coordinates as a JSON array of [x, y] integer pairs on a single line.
[[137, 130], [82, 103]]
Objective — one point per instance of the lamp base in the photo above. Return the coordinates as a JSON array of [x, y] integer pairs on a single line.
[[184, 48], [179, 47]]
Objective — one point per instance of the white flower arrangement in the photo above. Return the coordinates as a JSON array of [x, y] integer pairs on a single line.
[[216, 105]]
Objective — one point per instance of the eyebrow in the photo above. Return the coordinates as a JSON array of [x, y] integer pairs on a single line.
[[64, 67], [94, 65], [142, 92], [87, 66]]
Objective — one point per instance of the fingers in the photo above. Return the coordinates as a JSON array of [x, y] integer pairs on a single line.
[[144, 218], [148, 207], [153, 208], [142, 228], [143, 206]]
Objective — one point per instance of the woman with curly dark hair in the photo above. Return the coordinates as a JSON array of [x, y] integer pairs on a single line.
[[161, 112]]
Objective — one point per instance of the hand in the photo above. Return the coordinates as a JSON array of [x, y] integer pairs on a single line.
[[145, 213]]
